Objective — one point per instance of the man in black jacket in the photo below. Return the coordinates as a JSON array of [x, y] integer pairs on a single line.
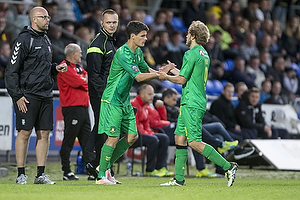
[[250, 115], [99, 57], [29, 83]]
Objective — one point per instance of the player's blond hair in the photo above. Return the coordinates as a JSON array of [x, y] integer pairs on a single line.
[[200, 31]]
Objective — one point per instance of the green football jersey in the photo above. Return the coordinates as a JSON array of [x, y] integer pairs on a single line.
[[195, 66], [125, 66]]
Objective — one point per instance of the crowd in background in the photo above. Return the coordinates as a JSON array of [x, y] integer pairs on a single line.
[[249, 44]]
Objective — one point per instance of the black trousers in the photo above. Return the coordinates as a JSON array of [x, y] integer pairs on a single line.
[[77, 124], [95, 141]]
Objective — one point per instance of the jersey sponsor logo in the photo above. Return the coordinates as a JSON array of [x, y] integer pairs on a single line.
[[112, 129], [201, 52], [15, 53], [135, 68]]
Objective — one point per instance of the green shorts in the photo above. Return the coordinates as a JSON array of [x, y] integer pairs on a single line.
[[189, 123], [115, 120]]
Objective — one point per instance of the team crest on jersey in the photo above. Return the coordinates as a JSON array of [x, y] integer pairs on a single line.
[[112, 129], [135, 68], [201, 52]]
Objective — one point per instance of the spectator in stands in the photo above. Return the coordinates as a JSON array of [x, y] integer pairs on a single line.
[[159, 21], [193, 11], [290, 83], [264, 43], [157, 143], [255, 25], [18, 15], [240, 88], [265, 91], [161, 50], [280, 11], [266, 28], [250, 12], [240, 27], [168, 23], [276, 97], [235, 9], [65, 11], [265, 61], [94, 20], [69, 26], [216, 56], [264, 10], [248, 48], [58, 44], [4, 55], [249, 115], [224, 110], [4, 35], [176, 48], [254, 71], [291, 37], [84, 33], [50, 6], [239, 73], [276, 72], [213, 25], [223, 6]]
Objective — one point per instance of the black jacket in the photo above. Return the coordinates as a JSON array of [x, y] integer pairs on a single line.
[[29, 68], [224, 110], [99, 56], [250, 117]]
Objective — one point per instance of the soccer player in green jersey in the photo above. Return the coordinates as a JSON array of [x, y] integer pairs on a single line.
[[116, 113], [193, 77]]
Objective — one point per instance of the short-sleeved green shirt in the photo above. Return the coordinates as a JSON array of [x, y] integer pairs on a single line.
[[125, 66], [195, 69]]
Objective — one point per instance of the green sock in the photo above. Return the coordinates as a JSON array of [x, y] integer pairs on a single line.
[[180, 163], [210, 153], [120, 149], [106, 154]]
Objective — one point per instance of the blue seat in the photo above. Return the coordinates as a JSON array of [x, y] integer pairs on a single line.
[[210, 87], [228, 64], [218, 87], [178, 24]]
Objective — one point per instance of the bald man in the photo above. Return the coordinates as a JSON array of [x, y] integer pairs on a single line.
[[29, 83], [74, 100]]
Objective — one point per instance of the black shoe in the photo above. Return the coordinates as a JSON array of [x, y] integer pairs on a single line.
[[91, 170], [243, 152], [70, 177], [91, 178]]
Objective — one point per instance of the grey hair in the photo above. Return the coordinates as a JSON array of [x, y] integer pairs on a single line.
[[71, 48]]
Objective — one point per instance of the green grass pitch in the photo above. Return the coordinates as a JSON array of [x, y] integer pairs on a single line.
[[256, 184]]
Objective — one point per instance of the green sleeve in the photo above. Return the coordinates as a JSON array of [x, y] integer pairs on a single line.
[[187, 65], [128, 64]]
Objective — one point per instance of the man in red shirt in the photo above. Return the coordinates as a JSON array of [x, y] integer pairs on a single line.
[[74, 100], [157, 143]]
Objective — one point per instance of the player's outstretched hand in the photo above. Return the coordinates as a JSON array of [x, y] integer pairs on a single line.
[[162, 75]]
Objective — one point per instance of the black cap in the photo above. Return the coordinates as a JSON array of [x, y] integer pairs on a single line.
[[49, 3]]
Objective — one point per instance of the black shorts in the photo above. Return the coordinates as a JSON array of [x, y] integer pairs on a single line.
[[39, 115]]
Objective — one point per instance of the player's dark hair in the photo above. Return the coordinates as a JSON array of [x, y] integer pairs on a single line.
[[135, 27]]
